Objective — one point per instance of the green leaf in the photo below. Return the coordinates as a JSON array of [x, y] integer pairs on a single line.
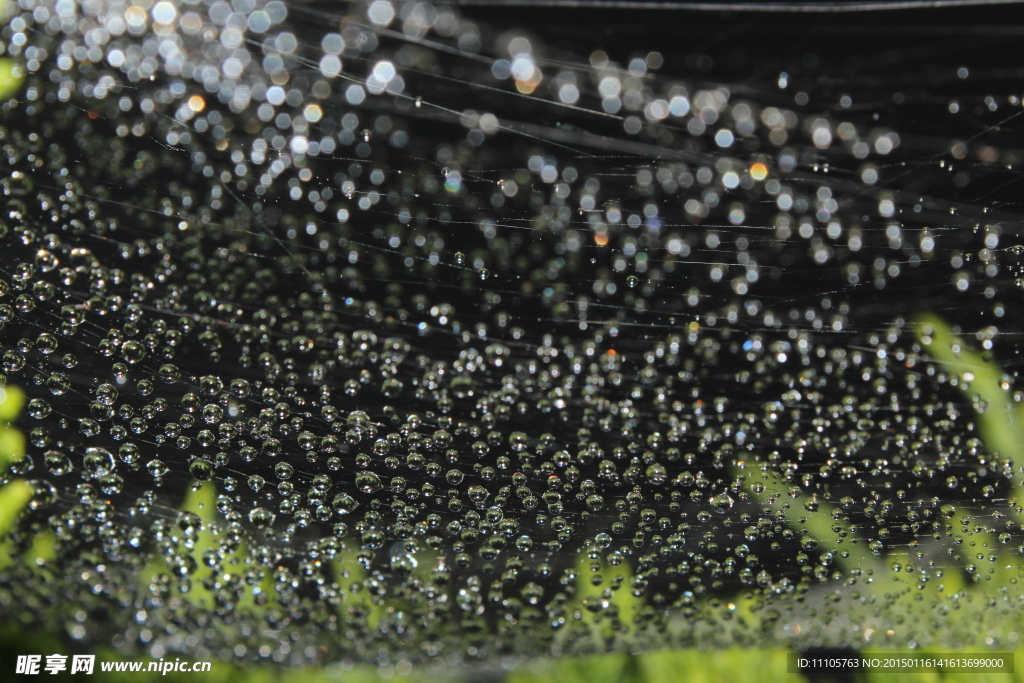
[[12, 75], [13, 499]]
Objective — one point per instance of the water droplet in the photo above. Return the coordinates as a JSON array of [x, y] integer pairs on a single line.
[[201, 469], [344, 504], [261, 518], [133, 351], [97, 461], [367, 482], [721, 502]]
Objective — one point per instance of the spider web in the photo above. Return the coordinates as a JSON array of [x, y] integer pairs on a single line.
[[455, 301]]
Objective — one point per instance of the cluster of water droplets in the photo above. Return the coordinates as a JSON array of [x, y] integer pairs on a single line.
[[446, 320]]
